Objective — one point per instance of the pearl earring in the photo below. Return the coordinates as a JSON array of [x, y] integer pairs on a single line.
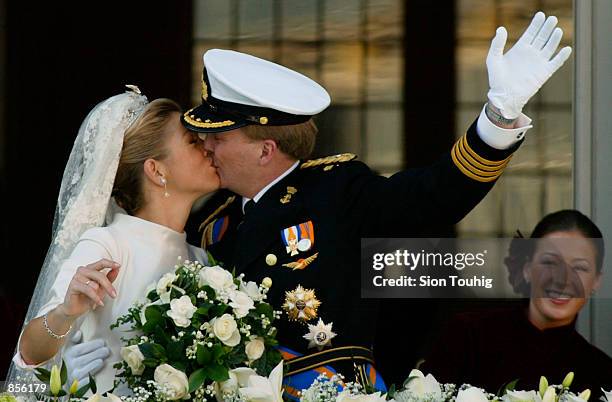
[[165, 183]]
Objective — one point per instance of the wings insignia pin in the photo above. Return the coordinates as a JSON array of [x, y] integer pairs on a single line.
[[302, 262]]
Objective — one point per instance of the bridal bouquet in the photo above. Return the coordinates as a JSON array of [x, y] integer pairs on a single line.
[[197, 326]]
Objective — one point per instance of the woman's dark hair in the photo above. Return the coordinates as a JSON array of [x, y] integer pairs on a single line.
[[521, 251]]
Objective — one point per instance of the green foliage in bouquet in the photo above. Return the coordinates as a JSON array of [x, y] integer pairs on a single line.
[[195, 325], [55, 381]]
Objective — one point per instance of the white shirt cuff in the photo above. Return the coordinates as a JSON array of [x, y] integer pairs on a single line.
[[501, 138]]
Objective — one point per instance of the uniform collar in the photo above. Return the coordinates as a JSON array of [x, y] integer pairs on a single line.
[[272, 183]]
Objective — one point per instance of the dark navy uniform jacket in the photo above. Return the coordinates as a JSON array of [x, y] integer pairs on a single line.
[[342, 201]]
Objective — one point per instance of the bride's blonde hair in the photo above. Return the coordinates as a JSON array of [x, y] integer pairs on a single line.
[[143, 140]]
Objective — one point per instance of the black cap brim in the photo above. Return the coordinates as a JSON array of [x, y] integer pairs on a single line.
[[202, 119]]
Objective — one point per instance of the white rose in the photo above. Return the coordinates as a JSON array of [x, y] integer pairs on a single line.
[[521, 396], [217, 278], [254, 348], [173, 379], [251, 289], [134, 358], [163, 286], [471, 394], [181, 311], [345, 396], [226, 329], [241, 303], [422, 385], [607, 395]]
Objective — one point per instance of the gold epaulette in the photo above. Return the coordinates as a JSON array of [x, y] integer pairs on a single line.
[[328, 160], [217, 211], [475, 166]]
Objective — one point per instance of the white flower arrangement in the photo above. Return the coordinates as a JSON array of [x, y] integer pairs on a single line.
[[425, 388], [196, 332]]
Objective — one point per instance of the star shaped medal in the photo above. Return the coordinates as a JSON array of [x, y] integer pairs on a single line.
[[320, 335]]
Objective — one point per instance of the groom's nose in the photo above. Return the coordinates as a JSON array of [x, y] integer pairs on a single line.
[[209, 143]]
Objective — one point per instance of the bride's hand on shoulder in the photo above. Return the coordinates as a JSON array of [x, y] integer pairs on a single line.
[[89, 286]]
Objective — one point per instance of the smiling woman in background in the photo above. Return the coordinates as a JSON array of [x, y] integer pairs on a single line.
[[559, 272]]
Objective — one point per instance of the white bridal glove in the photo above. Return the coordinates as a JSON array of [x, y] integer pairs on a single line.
[[84, 358], [516, 76]]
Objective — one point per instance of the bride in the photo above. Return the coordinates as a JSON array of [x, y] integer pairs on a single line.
[[136, 155]]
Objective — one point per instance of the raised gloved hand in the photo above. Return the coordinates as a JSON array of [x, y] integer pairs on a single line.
[[84, 358], [516, 76]]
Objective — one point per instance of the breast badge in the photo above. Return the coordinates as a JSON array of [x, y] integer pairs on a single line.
[[301, 304], [320, 335]]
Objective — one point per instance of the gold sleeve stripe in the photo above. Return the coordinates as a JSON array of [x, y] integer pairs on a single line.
[[473, 165], [214, 214], [466, 164], [473, 173], [480, 158], [462, 144]]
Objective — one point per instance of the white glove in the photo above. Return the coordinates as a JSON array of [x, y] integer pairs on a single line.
[[84, 358], [516, 76]]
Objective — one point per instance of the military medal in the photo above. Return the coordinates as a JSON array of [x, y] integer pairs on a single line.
[[301, 304], [290, 240], [320, 335], [298, 238], [304, 245]]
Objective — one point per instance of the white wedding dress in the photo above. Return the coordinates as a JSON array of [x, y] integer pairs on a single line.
[[145, 251]]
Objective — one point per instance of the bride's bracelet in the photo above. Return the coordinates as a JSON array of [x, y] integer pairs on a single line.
[[50, 332]]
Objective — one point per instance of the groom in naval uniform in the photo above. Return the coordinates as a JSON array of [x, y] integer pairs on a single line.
[[299, 222]]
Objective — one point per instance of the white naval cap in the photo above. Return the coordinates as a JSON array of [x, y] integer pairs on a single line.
[[239, 89]]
